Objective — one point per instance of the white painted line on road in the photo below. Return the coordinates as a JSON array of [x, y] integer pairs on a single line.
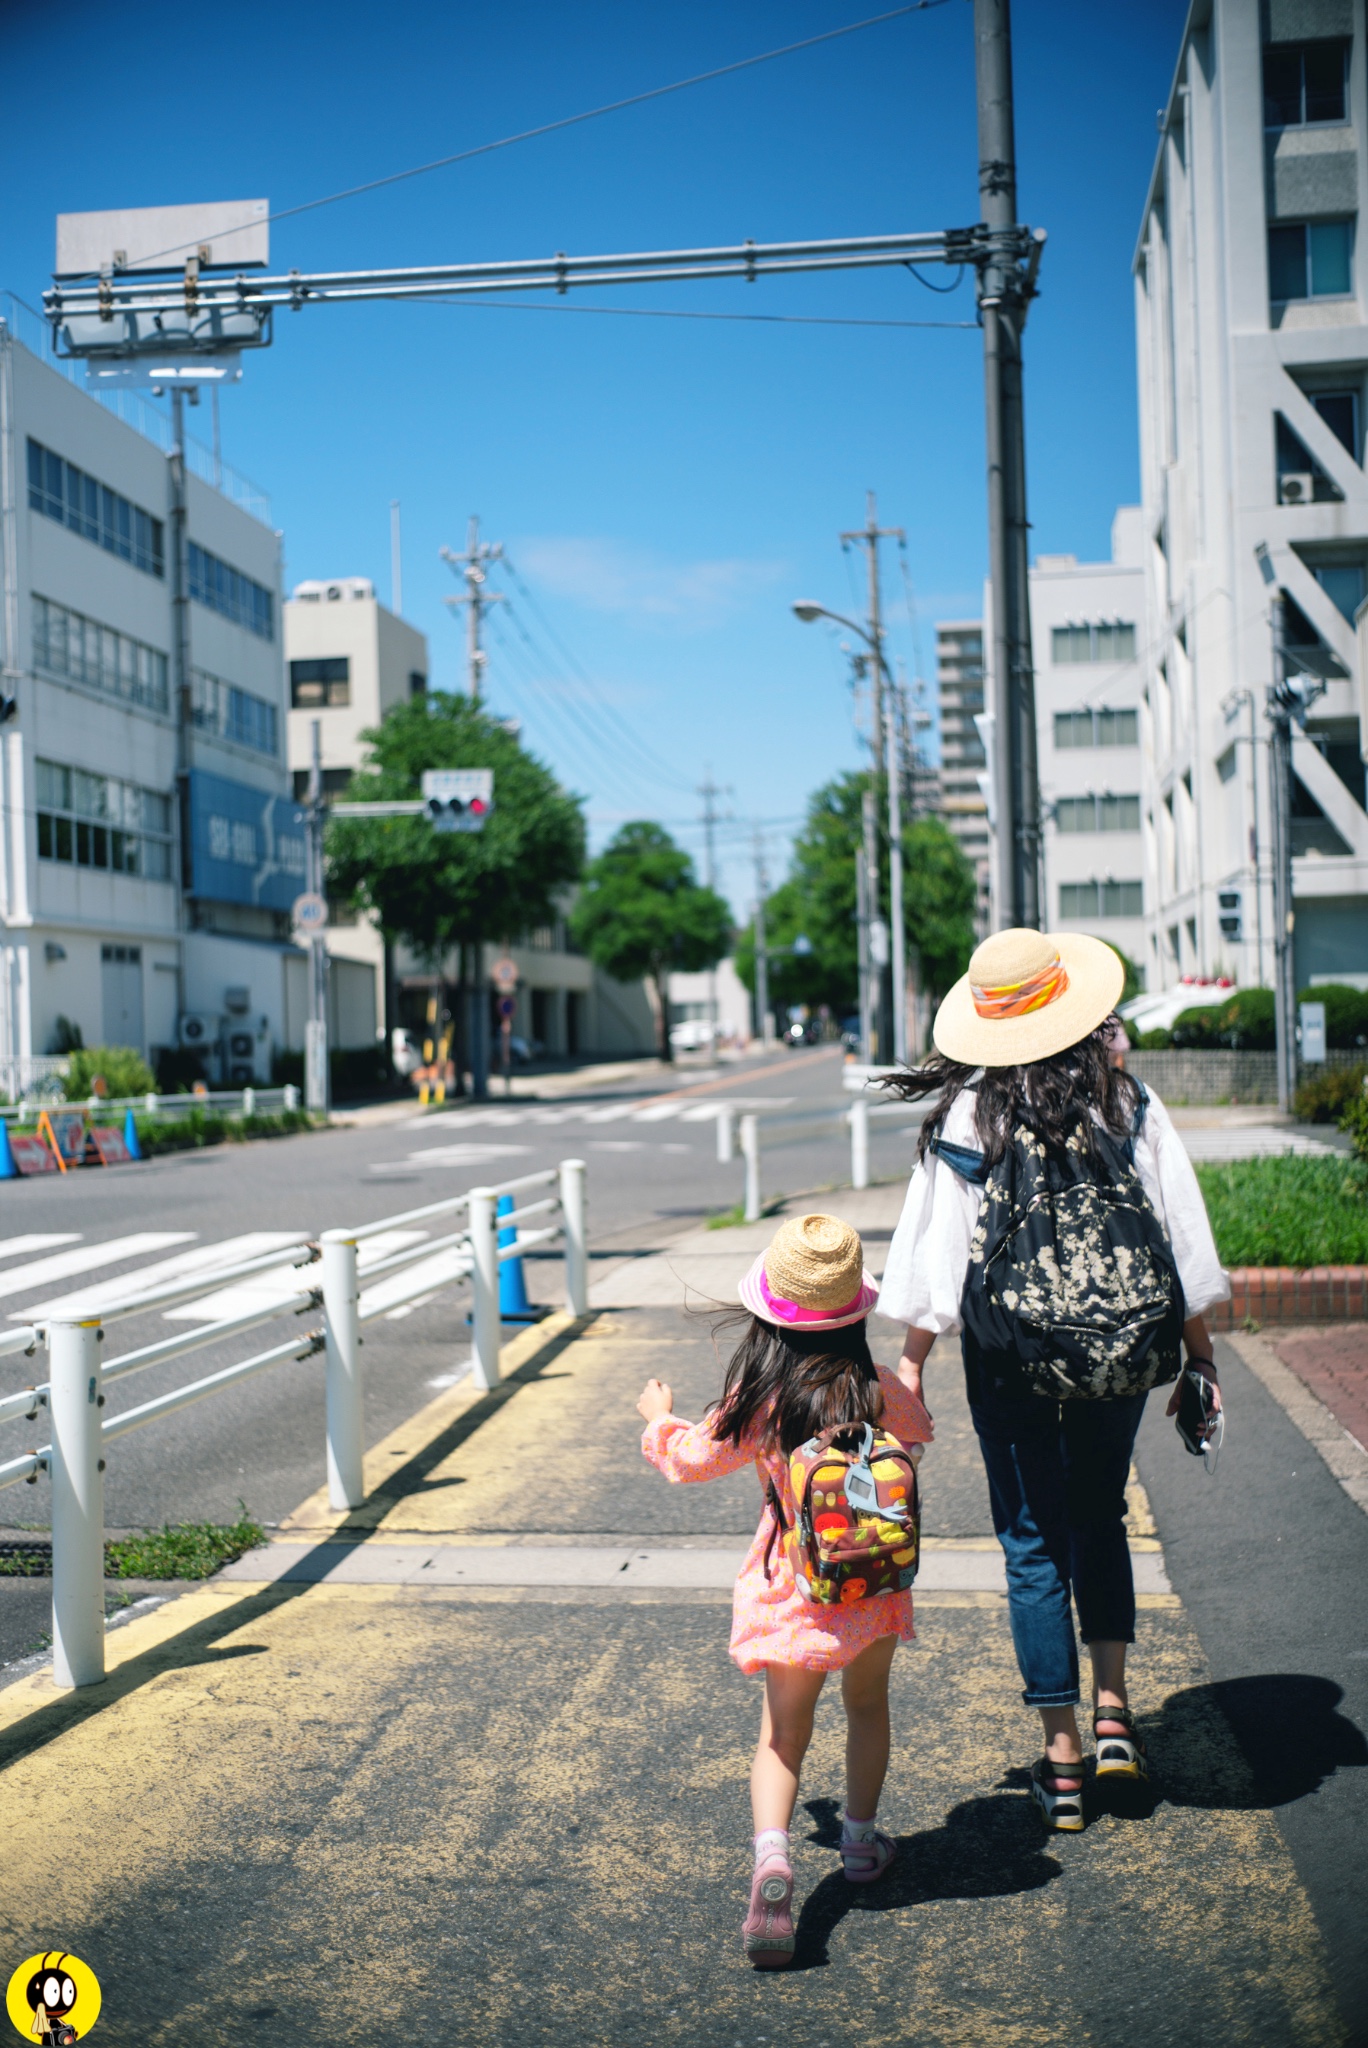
[[36, 1241], [435, 1273], [22, 1279], [1253, 1141], [613, 1114], [658, 1113], [618, 1145], [461, 1155], [229, 1251], [277, 1283]]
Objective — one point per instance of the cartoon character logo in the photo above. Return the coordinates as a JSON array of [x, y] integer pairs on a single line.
[[53, 1998]]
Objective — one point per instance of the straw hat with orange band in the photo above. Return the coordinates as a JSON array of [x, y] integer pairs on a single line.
[[1028, 995]]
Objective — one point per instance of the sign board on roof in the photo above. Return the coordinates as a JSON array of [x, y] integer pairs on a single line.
[[226, 234]]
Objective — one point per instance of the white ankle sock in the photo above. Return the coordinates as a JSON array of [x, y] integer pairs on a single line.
[[858, 1830], [771, 1842]]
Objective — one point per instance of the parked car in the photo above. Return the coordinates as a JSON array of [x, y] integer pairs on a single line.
[[695, 1034], [405, 1052]]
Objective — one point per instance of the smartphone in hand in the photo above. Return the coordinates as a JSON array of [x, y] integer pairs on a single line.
[[1195, 1408]]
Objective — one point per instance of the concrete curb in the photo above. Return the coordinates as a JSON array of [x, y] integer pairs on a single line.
[[1345, 1457]]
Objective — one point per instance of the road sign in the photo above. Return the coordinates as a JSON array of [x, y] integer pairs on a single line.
[[504, 973], [309, 913], [458, 799], [508, 1006], [1312, 1019]]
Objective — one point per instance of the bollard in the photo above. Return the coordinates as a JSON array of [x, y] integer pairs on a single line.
[[8, 1169], [572, 1188], [750, 1152], [290, 1096], [150, 1102], [726, 1134], [859, 1143], [131, 1145], [249, 1102], [344, 1402], [514, 1306], [484, 1283], [77, 1504]]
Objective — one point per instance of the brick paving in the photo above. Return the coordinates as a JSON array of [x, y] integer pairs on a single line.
[[1333, 1363]]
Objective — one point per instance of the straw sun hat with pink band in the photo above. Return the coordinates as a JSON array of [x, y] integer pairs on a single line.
[[811, 1277], [1027, 996]]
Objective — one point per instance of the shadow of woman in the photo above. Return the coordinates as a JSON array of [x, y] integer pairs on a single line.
[[1289, 1738], [986, 1848]]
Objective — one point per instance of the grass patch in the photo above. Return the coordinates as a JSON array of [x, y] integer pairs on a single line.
[[733, 1218], [1288, 1211], [189, 1550], [202, 1127]]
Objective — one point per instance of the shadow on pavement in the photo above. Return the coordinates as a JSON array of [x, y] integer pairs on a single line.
[[985, 1849], [1291, 1739]]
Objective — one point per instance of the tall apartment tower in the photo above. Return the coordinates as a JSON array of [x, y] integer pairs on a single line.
[[1252, 329], [1086, 624], [959, 688]]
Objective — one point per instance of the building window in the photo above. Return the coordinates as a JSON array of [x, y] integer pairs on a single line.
[[335, 780], [1098, 728], [227, 591], [1342, 583], [1304, 83], [1108, 640], [1101, 899], [1340, 410], [65, 644], [62, 492], [1310, 260], [93, 821], [232, 714], [320, 685], [417, 684], [1098, 814], [1225, 766]]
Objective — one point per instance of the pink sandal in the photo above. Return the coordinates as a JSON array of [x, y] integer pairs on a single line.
[[767, 1931], [868, 1859]]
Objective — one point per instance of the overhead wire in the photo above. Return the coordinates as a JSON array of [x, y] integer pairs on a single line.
[[666, 313]]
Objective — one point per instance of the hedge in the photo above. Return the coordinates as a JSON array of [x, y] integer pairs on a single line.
[[1288, 1211], [1244, 1023], [201, 1127]]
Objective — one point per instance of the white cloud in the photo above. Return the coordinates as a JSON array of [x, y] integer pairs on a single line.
[[611, 576]]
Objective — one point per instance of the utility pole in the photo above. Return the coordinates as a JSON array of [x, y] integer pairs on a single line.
[[1005, 290], [316, 1030], [867, 911], [709, 791], [180, 674], [868, 537], [895, 885], [762, 1008], [396, 563], [1288, 699], [474, 565]]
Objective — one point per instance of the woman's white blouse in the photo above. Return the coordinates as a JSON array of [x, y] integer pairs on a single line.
[[929, 1256]]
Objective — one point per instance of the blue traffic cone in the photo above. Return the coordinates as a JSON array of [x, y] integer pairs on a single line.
[[514, 1307], [8, 1169], [131, 1144]]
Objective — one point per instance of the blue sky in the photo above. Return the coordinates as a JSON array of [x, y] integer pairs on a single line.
[[664, 487]]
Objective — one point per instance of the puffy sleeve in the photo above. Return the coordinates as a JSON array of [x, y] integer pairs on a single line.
[[929, 1257], [1166, 1173], [688, 1451], [904, 1416]]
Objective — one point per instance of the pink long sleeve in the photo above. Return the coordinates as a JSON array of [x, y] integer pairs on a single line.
[[688, 1451]]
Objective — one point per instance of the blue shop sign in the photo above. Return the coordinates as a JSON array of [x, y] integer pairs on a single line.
[[246, 845]]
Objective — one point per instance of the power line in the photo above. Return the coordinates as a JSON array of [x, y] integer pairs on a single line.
[[661, 313], [636, 99]]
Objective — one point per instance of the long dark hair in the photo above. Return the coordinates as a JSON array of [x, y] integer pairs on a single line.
[[795, 1383], [1053, 1096]]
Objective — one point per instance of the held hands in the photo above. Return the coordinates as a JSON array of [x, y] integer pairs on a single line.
[[656, 1399]]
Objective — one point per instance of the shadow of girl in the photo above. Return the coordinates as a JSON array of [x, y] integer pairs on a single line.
[[986, 1848]]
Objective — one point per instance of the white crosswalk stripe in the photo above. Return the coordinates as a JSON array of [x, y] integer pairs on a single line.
[[1252, 1141], [278, 1283], [26, 1279], [36, 1241], [230, 1251]]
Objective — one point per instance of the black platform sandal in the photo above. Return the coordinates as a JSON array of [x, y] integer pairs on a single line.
[[1120, 1756], [1057, 1790]]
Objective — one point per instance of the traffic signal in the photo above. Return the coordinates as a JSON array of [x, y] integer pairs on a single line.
[[458, 799]]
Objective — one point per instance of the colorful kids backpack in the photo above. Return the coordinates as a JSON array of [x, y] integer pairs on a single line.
[[858, 1530]]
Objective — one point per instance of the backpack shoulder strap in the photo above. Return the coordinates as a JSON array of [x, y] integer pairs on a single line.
[[963, 1159], [1141, 1111]]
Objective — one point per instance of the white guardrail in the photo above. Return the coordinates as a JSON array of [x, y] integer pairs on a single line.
[[228, 1101], [792, 1127], [74, 1397]]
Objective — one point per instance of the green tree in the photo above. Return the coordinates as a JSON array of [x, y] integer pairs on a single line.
[[642, 914], [438, 889]]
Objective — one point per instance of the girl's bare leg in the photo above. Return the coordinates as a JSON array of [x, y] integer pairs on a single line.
[[785, 1732], [864, 1691]]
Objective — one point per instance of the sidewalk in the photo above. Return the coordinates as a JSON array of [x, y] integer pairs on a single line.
[[469, 1765]]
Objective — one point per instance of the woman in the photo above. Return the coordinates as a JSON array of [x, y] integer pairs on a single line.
[[1025, 1085]]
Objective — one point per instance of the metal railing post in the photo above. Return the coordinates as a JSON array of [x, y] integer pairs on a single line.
[[726, 1135], [150, 1102], [859, 1143], [345, 1408], [750, 1152], [77, 1504], [572, 1190], [485, 1328], [249, 1102]]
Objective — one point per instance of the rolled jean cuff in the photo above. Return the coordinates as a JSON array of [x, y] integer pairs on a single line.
[[1051, 1699], [1107, 1635]]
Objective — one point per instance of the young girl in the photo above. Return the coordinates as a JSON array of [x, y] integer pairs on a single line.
[[802, 1366]]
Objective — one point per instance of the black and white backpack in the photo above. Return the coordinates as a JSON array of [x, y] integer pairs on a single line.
[[1072, 1291]]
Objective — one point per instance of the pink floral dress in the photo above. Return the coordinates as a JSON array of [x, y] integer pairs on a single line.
[[771, 1622]]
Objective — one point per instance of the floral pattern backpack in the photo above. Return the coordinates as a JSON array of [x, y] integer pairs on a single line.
[[858, 1527]]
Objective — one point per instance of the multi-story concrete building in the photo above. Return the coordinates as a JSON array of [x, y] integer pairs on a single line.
[[150, 848], [1252, 328], [1086, 627], [959, 686], [351, 661]]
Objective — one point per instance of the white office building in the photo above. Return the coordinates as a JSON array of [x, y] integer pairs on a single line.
[[1252, 328], [1086, 628], [960, 700]]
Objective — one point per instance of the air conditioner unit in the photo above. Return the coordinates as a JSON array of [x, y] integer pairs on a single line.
[[1298, 487], [198, 1031]]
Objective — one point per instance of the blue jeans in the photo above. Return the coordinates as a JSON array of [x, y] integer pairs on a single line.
[[1057, 1479]]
